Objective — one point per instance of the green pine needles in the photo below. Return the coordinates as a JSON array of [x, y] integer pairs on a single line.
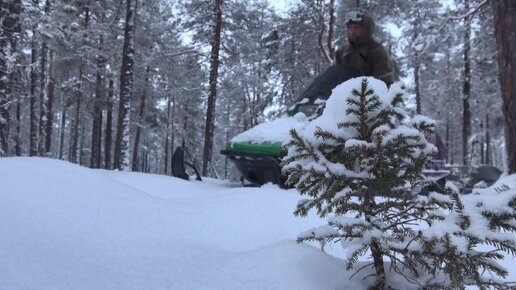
[[360, 166]]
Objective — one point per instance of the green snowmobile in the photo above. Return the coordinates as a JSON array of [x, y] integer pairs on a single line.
[[258, 159]]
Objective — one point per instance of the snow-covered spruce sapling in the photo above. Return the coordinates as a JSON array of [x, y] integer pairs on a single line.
[[360, 164]]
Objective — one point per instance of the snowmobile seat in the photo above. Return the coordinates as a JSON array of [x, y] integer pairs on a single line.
[[178, 165]]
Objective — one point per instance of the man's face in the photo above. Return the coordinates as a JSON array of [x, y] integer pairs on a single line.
[[355, 31]]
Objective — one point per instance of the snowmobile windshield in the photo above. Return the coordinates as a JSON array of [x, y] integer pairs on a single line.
[[308, 109]]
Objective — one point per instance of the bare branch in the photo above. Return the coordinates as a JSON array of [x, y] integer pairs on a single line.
[[182, 52], [465, 16]]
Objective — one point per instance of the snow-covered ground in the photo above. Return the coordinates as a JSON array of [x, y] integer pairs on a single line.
[[63, 226]]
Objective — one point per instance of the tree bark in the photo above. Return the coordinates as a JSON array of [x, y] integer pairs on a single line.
[[488, 142], [466, 92], [139, 124], [42, 99], [17, 145], [212, 97], [126, 88], [33, 119], [96, 134], [4, 101], [505, 26], [167, 136], [109, 125], [62, 128], [74, 156], [43, 93], [50, 107], [9, 31]]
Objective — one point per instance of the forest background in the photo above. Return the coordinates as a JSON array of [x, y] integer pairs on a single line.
[[118, 84]]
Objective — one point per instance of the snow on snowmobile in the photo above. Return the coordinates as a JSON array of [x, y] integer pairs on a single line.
[[257, 152]]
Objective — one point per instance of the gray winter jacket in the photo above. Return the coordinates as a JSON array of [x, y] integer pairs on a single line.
[[368, 55]]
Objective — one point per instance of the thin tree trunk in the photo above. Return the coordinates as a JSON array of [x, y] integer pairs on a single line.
[[42, 99], [44, 72], [4, 101], [17, 146], [331, 26], [7, 24], [96, 134], [448, 142], [33, 125], [109, 124], [488, 142], [212, 97], [73, 155], [418, 88], [50, 107], [74, 148], [9, 31], [417, 66], [126, 87], [482, 151], [139, 122], [466, 92], [167, 145], [505, 26], [81, 146], [62, 128]]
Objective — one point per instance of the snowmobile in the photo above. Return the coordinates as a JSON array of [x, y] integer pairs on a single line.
[[259, 162]]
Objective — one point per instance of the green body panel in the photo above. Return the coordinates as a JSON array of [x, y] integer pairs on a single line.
[[269, 148], [294, 111]]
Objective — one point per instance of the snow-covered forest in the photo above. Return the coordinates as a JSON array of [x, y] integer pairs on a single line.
[[120, 84], [98, 98]]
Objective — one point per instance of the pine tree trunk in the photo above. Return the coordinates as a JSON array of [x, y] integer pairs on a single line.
[[33, 120], [139, 123], [214, 70], [376, 252], [50, 107], [417, 66], [42, 99], [43, 76], [379, 266], [9, 31], [466, 93], [488, 142], [80, 158], [96, 134], [62, 128], [74, 156], [17, 145], [109, 125], [121, 161], [4, 86], [331, 26], [418, 88], [505, 26], [167, 137], [10, 28]]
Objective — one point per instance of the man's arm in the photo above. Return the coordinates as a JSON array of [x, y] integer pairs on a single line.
[[337, 59], [383, 67]]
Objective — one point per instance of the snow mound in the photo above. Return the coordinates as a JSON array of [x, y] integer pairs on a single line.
[[63, 226]]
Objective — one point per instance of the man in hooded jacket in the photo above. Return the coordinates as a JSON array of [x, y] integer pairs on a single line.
[[363, 52]]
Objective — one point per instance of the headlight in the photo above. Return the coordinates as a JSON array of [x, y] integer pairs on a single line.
[[308, 109]]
